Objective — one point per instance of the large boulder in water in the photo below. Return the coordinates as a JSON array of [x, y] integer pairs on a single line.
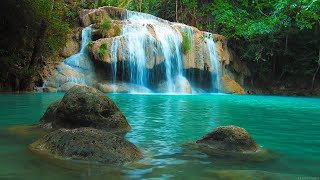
[[86, 144], [84, 106], [229, 139], [49, 116], [232, 143]]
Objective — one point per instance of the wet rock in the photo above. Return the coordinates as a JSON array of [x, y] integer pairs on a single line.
[[72, 44], [122, 88], [84, 106], [27, 131], [86, 144], [180, 85], [229, 139], [232, 143], [109, 88], [67, 86], [49, 89], [252, 174], [229, 86], [49, 116]]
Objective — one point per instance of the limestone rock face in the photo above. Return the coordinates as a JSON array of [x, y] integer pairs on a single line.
[[83, 106], [94, 16], [72, 44], [229, 139], [231, 87], [87, 144], [122, 88], [181, 85]]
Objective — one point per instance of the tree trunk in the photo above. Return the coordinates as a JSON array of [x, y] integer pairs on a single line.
[[140, 5], [317, 71], [37, 45], [95, 4], [286, 48], [176, 10]]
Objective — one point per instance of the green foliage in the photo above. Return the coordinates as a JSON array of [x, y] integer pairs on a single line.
[[23, 23], [186, 42], [102, 49]]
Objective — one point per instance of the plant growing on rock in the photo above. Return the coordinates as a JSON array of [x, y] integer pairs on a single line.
[[106, 26], [186, 42], [90, 45], [103, 48]]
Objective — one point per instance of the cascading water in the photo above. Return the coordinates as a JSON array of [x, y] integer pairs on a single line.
[[146, 55], [77, 69], [215, 65], [139, 38]]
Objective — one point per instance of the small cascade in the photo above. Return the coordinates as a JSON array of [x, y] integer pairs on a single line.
[[114, 56], [77, 69], [214, 61]]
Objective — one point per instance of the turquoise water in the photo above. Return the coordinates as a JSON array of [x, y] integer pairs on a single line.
[[162, 124]]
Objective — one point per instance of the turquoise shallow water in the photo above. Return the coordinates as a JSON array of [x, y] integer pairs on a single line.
[[162, 124]]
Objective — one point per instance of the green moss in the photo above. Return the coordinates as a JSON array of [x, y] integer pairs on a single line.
[[186, 42], [102, 49], [117, 31]]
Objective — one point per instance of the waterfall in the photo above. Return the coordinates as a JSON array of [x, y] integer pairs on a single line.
[[77, 69], [165, 38], [147, 56], [215, 65], [170, 44], [113, 57]]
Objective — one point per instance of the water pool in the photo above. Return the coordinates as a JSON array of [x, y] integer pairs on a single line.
[[162, 124]]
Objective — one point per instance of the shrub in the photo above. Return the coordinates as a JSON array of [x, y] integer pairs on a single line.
[[106, 25]]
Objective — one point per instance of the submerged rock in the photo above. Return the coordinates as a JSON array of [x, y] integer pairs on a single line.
[[232, 143], [84, 106], [252, 174], [230, 139], [86, 144], [27, 131]]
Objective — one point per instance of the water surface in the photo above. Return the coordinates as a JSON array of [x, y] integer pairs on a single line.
[[162, 124]]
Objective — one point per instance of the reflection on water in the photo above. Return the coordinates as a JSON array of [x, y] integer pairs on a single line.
[[163, 124]]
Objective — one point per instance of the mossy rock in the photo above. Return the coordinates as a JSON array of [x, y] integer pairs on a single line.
[[84, 106], [230, 139], [86, 145], [233, 143]]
